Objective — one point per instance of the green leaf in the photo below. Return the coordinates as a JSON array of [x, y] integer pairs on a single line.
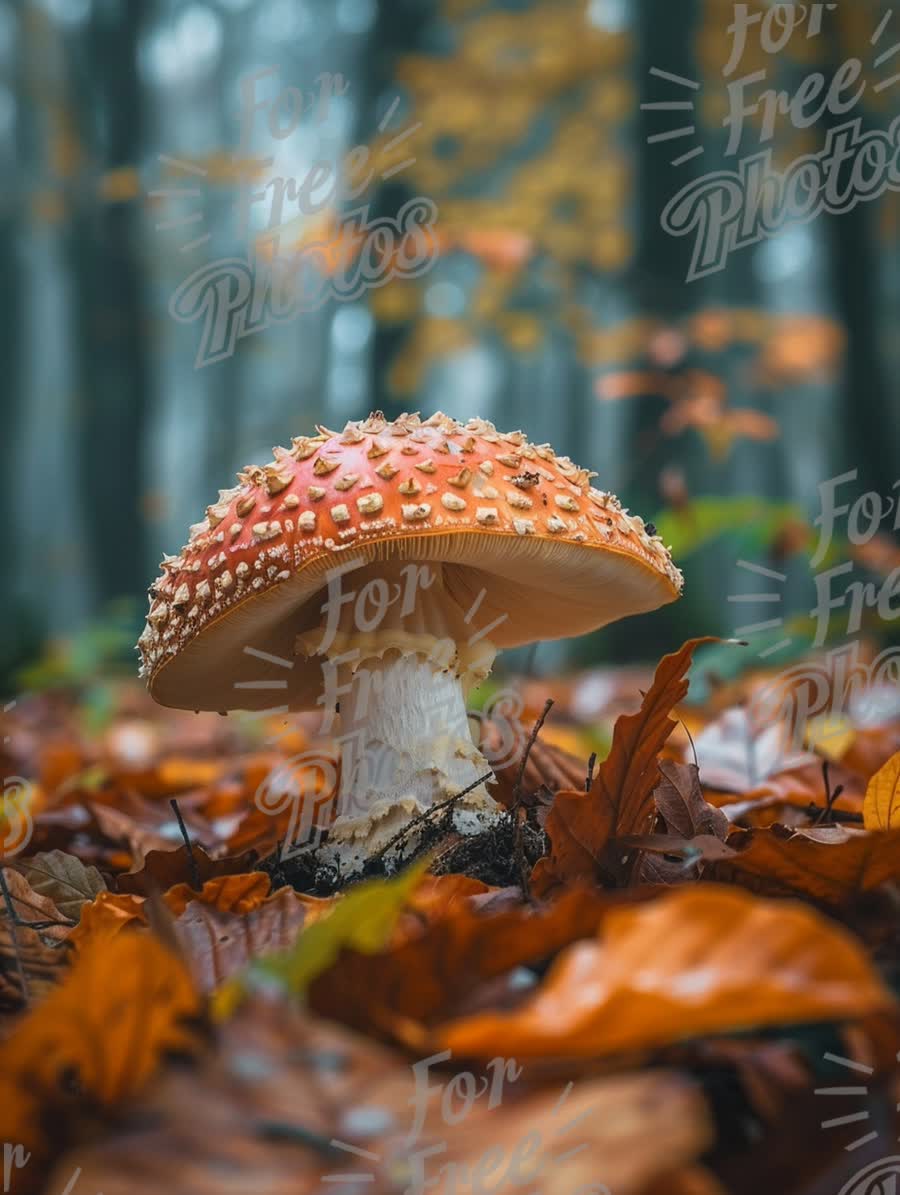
[[363, 920]]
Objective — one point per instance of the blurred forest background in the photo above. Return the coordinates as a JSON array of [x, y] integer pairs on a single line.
[[558, 304]]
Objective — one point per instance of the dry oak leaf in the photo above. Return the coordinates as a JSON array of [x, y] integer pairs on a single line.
[[97, 1037], [583, 827], [64, 879], [699, 960], [881, 807], [829, 864]]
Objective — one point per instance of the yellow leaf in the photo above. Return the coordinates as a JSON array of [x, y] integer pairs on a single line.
[[881, 807]]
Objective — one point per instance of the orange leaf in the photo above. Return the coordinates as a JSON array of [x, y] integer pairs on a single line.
[[583, 826], [96, 1039], [105, 916], [228, 894], [881, 808], [705, 959], [829, 864]]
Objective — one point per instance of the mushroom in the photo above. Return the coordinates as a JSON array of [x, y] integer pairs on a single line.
[[380, 569]]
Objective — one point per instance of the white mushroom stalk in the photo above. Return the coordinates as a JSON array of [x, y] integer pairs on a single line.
[[397, 661]]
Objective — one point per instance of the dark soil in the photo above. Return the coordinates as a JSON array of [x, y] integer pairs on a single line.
[[492, 857]]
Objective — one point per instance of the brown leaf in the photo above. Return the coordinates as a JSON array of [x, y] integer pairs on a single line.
[[682, 805], [64, 879], [583, 827], [702, 959], [107, 916], [829, 864], [161, 870], [218, 943], [31, 906], [146, 826], [548, 766]]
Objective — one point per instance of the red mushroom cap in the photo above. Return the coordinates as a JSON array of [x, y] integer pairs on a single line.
[[556, 556]]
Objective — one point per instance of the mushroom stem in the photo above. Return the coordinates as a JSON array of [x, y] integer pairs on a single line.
[[406, 747], [402, 687]]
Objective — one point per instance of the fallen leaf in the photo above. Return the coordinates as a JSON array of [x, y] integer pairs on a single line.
[[737, 754], [96, 1039], [64, 879], [362, 920], [162, 870], [146, 826], [220, 942], [700, 960], [881, 807], [34, 908], [582, 827], [828, 864], [682, 805], [227, 894], [106, 916], [454, 958]]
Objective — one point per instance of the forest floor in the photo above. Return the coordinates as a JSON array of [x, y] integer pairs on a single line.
[[670, 968]]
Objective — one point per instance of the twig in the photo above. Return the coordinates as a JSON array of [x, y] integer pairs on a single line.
[[428, 813], [14, 937], [838, 816], [192, 862], [521, 814], [828, 813], [519, 810], [589, 780], [548, 706]]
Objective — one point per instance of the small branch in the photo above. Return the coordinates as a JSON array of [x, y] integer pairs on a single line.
[[192, 862], [517, 787], [14, 937], [828, 813], [838, 816], [589, 779], [519, 839]]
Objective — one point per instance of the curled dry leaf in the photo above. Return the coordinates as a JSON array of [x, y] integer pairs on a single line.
[[698, 960], [583, 827], [881, 807]]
